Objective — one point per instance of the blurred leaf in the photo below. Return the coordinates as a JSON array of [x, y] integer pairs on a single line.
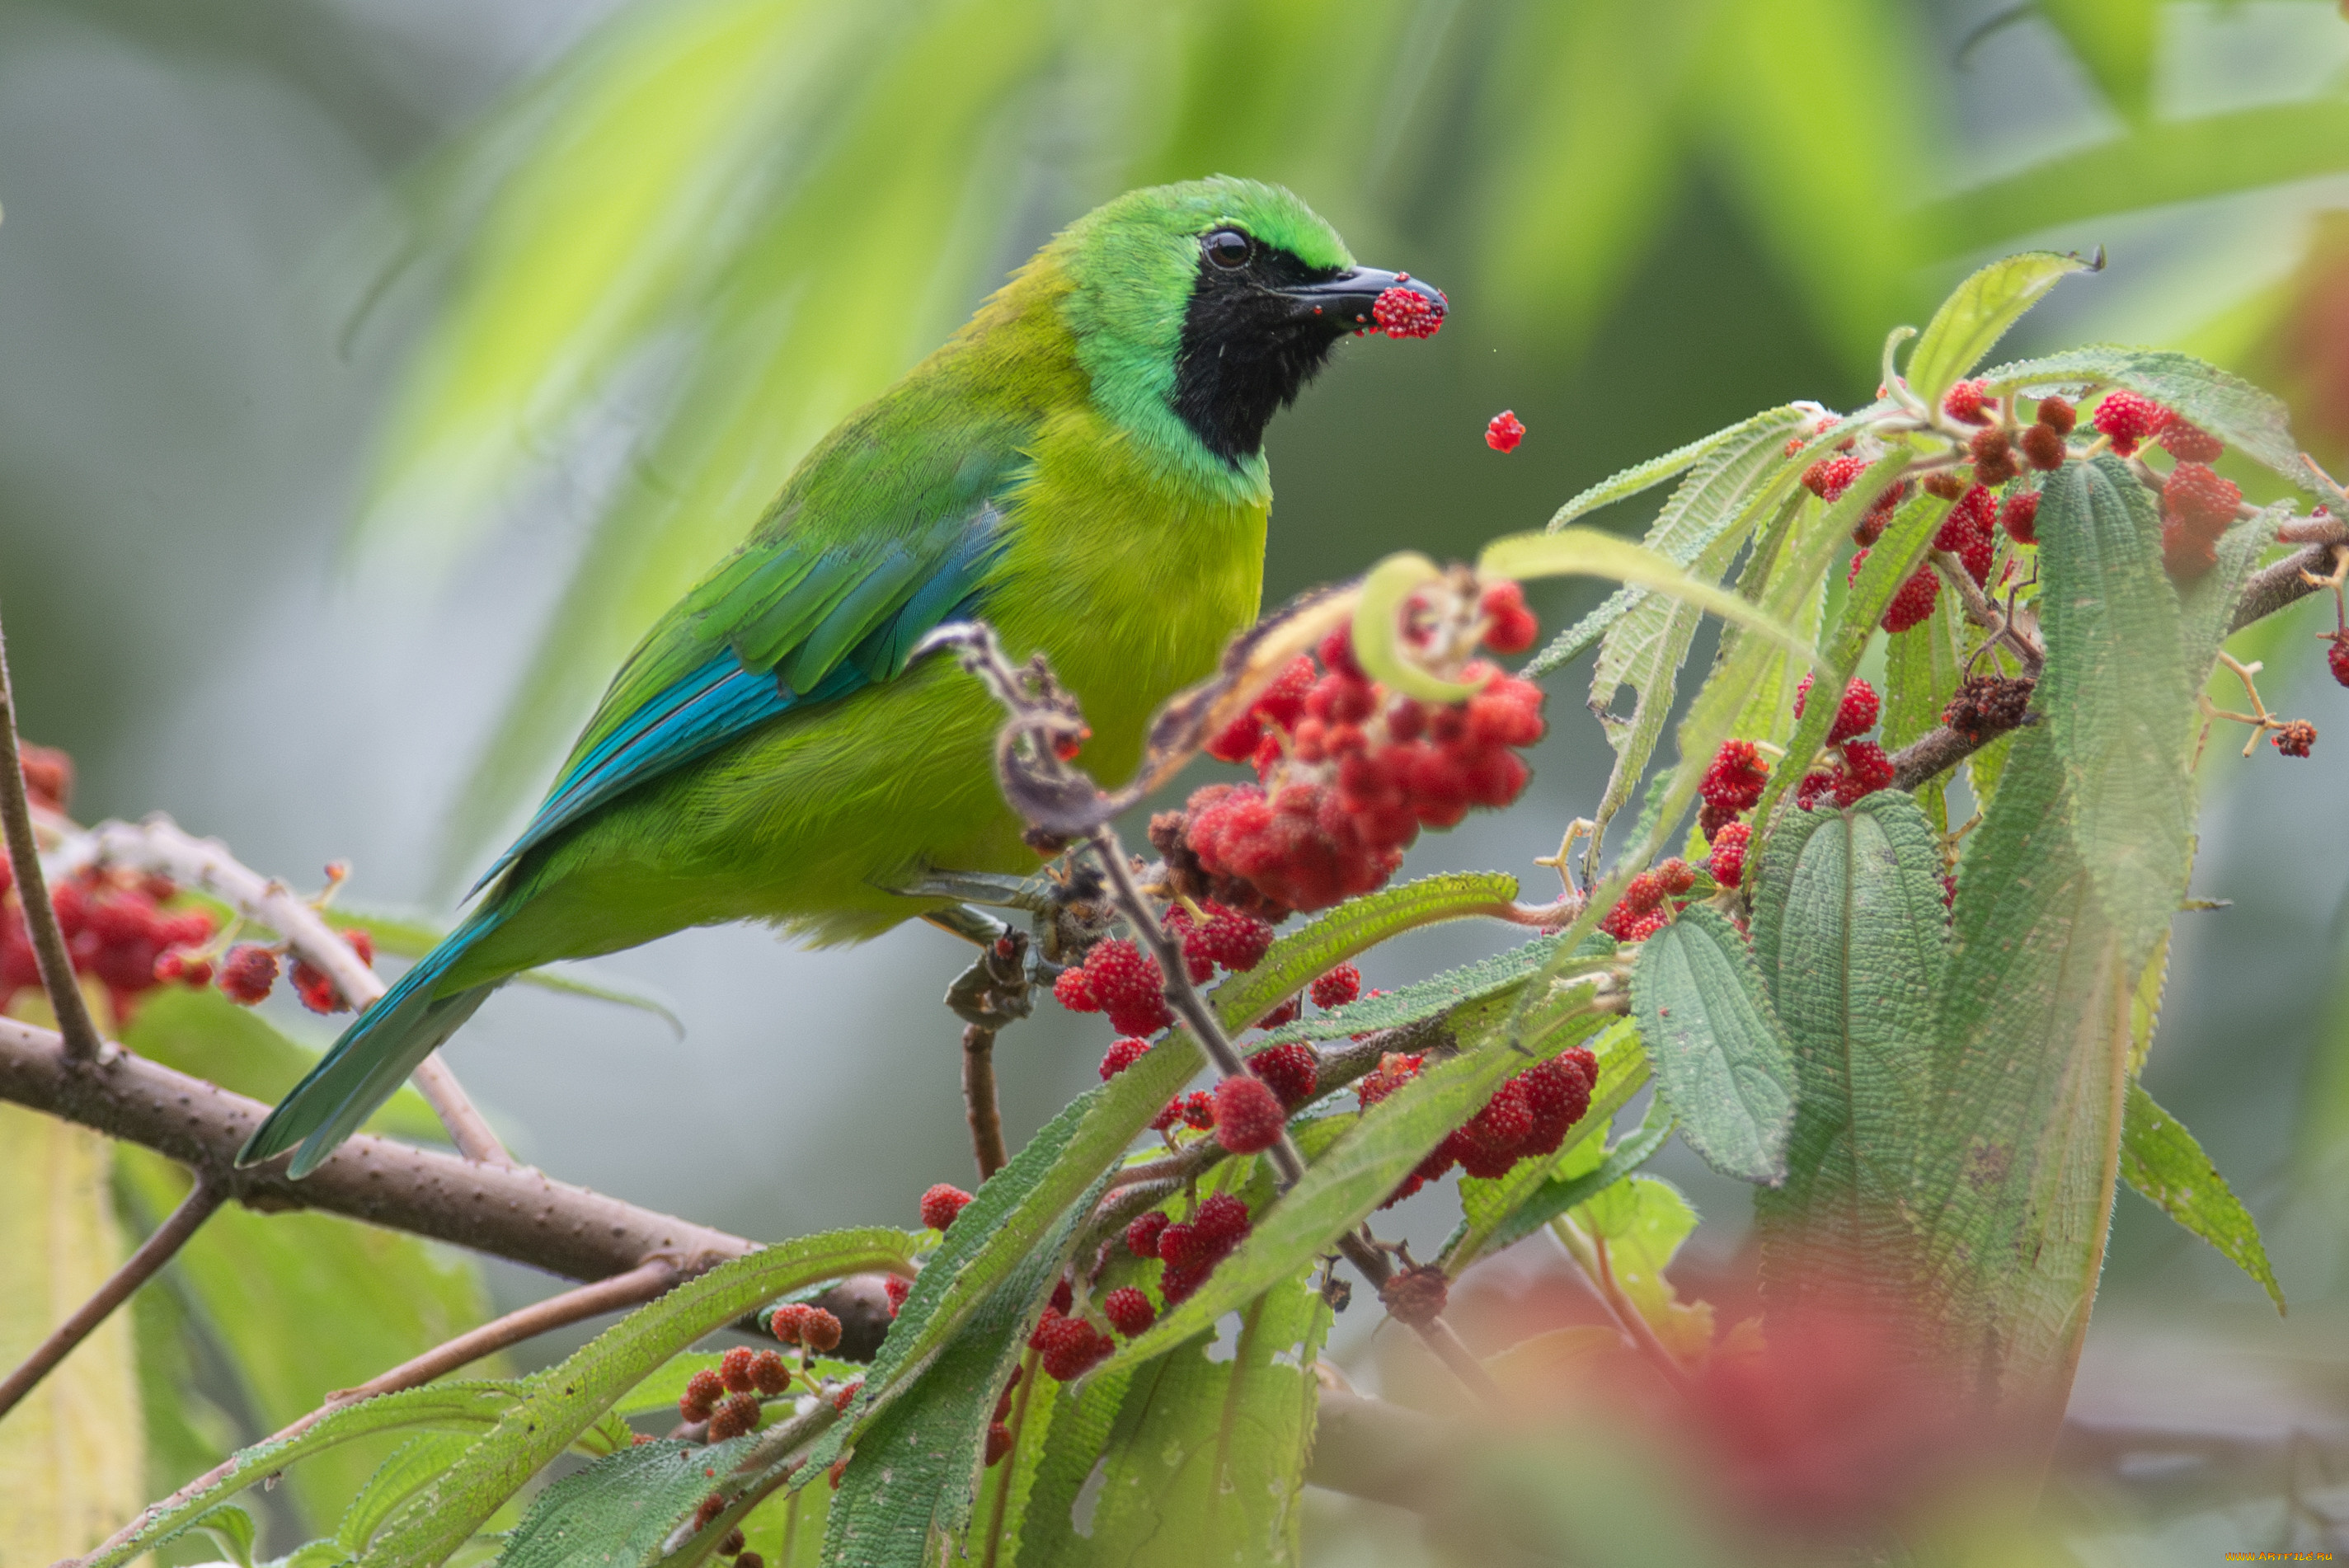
[[1641, 476], [2165, 161], [2224, 404], [2160, 1159], [566, 1399], [71, 1460], [1357, 1172], [1977, 315], [1503, 1213], [2116, 694], [788, 1530], [2145, 1005], [1207, 1458], [232, 1531], [2013, 1184], [449, 1405], [1720, 1058], [296, 1303], [2114, 42], [1851, 940], [1637, 1227]]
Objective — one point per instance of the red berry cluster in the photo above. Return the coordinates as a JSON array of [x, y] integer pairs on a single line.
[[1855, 715], [116, 930], [1966, 532], [1190, 1248], [1504, 432], [1860, 767], [1526, 1118], [1337, 988], [1984, 707], [1406, 313], [2198, 508], [317, 988], [1913, 604], [1731, 785], [1415, 1296], [797, 1323], [941, 1204], [1642, 912], [1728, 860], [1121, 980], [2294, 739], [1232, 940], [1123, 1052], [1349, 772], [999, 1430]]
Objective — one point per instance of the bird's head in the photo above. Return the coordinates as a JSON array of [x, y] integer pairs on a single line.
[[1202, 309]]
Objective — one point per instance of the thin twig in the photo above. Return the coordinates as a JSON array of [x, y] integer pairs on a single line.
[[980, 1106], [504, 1211], [137, 1269], [55, 964], [1589, 1255], [160, 844]]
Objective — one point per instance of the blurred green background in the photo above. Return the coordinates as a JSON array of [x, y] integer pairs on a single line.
[[376, 369]]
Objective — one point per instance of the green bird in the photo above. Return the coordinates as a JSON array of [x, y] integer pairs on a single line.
[[1081, 464]]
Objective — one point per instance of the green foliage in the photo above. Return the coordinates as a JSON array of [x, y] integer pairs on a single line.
[[1634, 1228], [1499, 1214], [2160, 1159], [1719, 1057], [1973, 319]]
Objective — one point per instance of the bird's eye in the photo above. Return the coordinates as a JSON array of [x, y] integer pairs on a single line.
[[1229, 248]]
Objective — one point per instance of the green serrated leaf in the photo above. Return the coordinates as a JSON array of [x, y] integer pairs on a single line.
[[232, 1530], [1425, 999], [448, 1405], [1720, 1058], [1978, 314], [1851, 940], [413, 1465], [1354, 927], [1644, 476], [566, 1399], [2161, 1160], [2117, 695], [2014, 1175], [1505, 1209], [1358, 1171], [617, 1511], [2227, 406]]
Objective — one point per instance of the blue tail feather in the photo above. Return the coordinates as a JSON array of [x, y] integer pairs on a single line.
[[373, 1058]]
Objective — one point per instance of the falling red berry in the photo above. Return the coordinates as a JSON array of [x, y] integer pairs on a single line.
[[1504, 432]]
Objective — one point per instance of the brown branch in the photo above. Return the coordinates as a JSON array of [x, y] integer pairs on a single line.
[[511, 1212], [49, 952], [2272, 588], [160, 844], [137, 1269], [980, 1106]]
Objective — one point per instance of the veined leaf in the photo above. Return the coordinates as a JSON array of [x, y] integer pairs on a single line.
[[1357, 1172], [1055, 1519], [1720, 1058], [1633, 1229], [1851, 940], [1355, 926], [2014, 1177], [1729, 466], [1977, 315], [2227, 406], [1511, 1211], [1424, 999], [566, 1399], [447, 1405], [2161, 1160], [617, 1512], [1923, 668], [2117, 695], [411, 1467]]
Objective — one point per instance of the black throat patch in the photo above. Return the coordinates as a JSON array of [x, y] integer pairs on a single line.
[[1249, 349]]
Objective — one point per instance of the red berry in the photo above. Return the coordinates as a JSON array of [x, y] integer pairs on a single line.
[[1855, 715], [738, 1414], [1236, 941], [2336, 657], [1415, 1296], [733, 1545], [1072, 1347], [788, 1322], [1735, 779], [247, 974], [711, 1507], [2186, 554], [820, 1331], [1292, 1071], [846, 1395], [2294, 739], [1128, 986], [1222, 1220], [1994, 455], [702, 1392], [999, 1442], [1199, 1109], [1963, 402], [1248, 1114], [2128, 418], [1504, 432], [1914, 603], [1181, 1246], [1985, 705], [897, 1287], [1407, 312], [1866, 769], [2200, 500], [941, 1204], [2021, 518], [2189, 442], [734, 1367], [1128, 1311], [1510, 626], [1676, 876], [1394, 1070], [1142, 1236], [1075, 990], [770, 1373], [1166, 1119], [1337, 988], [1728, 861], [1123, 1054], [2057, 415], [316, 988], [1829, 476], [2042, 448], [361, 943]]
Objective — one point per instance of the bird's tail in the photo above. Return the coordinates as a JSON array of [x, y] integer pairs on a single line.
[[374, 1056]]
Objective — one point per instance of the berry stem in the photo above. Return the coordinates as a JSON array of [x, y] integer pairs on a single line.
[[153, 1252], [991, 993], [1589, 1255], [1982, 612], [49, 954], [160, 844]]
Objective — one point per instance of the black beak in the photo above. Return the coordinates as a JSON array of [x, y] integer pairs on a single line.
[[1346, 300]]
